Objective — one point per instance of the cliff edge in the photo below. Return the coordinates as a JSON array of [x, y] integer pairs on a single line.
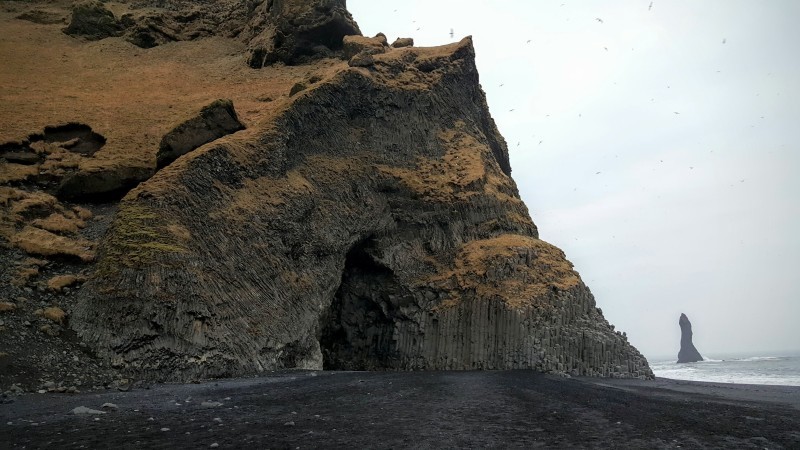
[[364, 218]]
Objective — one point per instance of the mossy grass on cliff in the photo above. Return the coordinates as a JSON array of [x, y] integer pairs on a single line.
[[140, 237]]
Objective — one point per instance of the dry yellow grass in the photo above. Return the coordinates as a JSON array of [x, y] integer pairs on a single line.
[[24, 275], [265, 194], [82, 213], [32, 202], [58, 223], [40, 242], [457, 176], [54, 314], [130, 95], [518, 270], [10, 172], [59, 282]]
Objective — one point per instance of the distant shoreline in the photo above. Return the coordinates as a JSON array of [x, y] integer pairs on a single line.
[[754, 393]]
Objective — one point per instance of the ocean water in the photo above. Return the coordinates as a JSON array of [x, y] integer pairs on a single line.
[[777, 370]]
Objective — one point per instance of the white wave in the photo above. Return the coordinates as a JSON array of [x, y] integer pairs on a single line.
[[759, 358]]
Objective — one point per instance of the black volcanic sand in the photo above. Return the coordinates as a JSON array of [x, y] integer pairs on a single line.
[[414, 410]]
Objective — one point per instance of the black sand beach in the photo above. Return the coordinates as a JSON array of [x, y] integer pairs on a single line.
[[413, 410]]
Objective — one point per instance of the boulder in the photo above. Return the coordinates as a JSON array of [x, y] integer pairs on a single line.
[[403, 42], [353, 45], [297, 31], [688, 353], [214, 121], [93, 21]]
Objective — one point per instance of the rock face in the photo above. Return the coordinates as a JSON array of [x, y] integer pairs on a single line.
[[214, 121], [688, 352], [91, 20], [369, 222], [295, 31]]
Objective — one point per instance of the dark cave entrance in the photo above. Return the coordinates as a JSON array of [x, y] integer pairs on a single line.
[[357, 333]]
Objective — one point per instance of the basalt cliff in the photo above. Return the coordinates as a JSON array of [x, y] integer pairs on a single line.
[[212, 189]]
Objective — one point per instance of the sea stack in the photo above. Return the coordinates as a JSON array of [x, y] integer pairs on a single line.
[[687, 353]]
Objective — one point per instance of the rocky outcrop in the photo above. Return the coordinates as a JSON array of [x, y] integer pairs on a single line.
[[214, 121], [150, 23], [688, 353], [403, 42], [157, 22], [296, 31], [287, 31], [369, 222], [93, 21]]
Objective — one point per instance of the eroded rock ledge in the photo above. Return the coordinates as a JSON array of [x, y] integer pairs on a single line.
[[370, 222]]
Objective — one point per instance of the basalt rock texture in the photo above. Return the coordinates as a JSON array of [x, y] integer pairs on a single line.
[[295, 31], [214, 121], [688, 353], [370, 223], [93, 21]]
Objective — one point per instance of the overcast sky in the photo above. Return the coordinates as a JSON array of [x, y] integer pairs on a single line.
[[659, 148]]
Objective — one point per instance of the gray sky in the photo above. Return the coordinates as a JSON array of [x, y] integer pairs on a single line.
[[689, 111]]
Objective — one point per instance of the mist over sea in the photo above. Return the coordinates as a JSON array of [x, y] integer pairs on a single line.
[[740, 369]]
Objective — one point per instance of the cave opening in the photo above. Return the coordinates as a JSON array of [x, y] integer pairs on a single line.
[[357, 332]]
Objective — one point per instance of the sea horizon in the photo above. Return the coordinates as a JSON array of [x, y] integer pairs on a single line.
[[765, 368]]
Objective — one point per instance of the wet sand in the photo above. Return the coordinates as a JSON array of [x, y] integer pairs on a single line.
[[413, 410]]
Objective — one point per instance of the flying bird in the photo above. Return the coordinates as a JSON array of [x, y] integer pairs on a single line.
[[529, 41], [540, 142], [598, 19], [606, 48], [452, 33], [650, 7], [724, 40], [676, 112], [597, 173]]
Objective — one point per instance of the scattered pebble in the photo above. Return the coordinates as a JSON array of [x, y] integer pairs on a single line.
[[85, 410], [109, 406], [208, 404], [165, 429], [214, 445], [217, 419], [289, 424]]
